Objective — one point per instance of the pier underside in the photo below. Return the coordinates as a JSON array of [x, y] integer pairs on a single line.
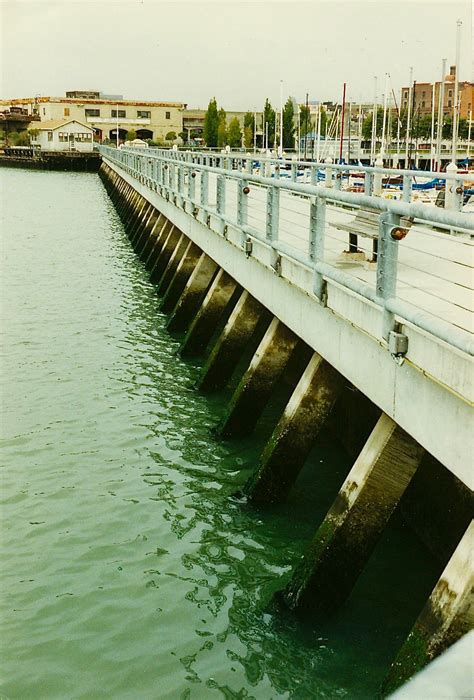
[[247, 350]]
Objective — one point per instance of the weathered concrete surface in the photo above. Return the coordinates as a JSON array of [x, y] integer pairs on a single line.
[[258, 382], [346, 538], [178, 273], [448, 677], [156, 225], [156, 242], [447, 616], [148, 225], [304, 416], [230, 346], [193, 294], [217, 300]]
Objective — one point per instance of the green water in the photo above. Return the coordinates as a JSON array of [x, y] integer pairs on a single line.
[[129, 570]]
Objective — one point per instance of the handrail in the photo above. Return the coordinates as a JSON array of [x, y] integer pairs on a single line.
[[179, 178]]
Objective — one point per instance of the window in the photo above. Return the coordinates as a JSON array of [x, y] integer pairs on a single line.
[[121, 113], [66, 111], [168, 115], [423, 104], [406, 94], [450, 93], [92, 112], [423, 93], [143, 114], [83, 137], [44, 111], [62, 136], [450, 104], [50, 135]]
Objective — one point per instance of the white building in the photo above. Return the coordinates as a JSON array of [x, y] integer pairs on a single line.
[[62, 135]]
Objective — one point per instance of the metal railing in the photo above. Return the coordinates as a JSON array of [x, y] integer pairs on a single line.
[[425, 279]]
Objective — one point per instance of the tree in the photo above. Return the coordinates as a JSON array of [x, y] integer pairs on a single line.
[[288, 124], [249, 122], [211, 124], [131, 135], [170, 136], [305, 120], [234, 135], [367, 124], [222, 128], [269, 119], [248, 137], [183, 135]]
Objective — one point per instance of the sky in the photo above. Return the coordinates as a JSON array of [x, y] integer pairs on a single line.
[[238, 51]]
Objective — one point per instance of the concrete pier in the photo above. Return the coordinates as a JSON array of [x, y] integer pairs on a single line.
[[156, 242], [230, 345], [447, 616], [217, 300], [346, 538], [294, 436], [258, 382], [193, 294]]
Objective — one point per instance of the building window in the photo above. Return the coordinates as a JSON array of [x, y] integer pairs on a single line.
[[92, 112], [121, 113], [44, 111], [141, 114], [423, 94], [63, 136], [450, 93], [50, 135], [423, 104], [450, 104], [168, 115], [406, 94], [66, 111], [83, 137]]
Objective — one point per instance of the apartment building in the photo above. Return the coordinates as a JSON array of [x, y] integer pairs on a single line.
[[422, 97]]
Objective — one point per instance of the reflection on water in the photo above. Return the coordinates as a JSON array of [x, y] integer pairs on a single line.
[[132, 571]]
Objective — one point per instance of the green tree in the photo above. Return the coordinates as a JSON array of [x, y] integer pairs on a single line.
[[367, 124], [131, 135], [269, 118], [324, 120], [249, 122], [288, 124], [248, 137], [170, 136], [305, 120], [222, 128], [234, 135], [183, 135], [211, 124]]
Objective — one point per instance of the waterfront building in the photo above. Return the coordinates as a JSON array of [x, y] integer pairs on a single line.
[[158, 121], [62, 135], [193, 121], [422, 96]]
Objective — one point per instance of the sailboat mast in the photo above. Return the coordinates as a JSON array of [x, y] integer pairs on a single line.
[[439, 130], [456, 90], [343, 111], [408, 117]]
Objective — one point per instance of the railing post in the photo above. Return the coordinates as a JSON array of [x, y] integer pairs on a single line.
[[272, 223], [314, 175], [368, 182], [181, 178], [294, 172], [317, 225], [220, 195], [453, 189], [387, 258], [407, 188], [191, 184], [204, 187], [328, 172]]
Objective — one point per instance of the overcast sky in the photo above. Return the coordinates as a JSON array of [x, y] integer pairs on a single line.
[[236, 50]]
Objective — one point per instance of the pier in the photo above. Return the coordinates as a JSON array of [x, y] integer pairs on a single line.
[[373, 341]]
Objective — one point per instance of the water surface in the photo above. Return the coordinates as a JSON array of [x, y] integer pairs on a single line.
[[130, 571]]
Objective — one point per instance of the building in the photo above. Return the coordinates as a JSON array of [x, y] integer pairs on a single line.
[[158, 121], [422, 96], [62, 135], [193, 121]]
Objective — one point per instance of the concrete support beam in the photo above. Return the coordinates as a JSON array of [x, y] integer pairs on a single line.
[[294, 436], [203, 327], [177, 273], [144, 246], [155, 242], [122, 200], [143, 230], [137, 223], [193, 294], [230, 345], [258, 382], [446, 617], [170, 241], [346, 538]]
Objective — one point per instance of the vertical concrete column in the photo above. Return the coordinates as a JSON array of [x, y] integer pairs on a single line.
[[230, 345], [157, 241], [258, 382], [447, 616], [122, 200], [135, 225], [147, 234], [203, 327], [169, 244], [346, 538], [179, 270], [193, 294], [130, 213], [292, 440], [141, 225]]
